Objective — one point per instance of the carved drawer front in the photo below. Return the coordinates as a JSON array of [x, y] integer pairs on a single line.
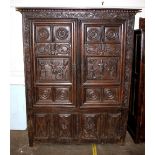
[[54, 95], [53, 70], [101, 96], [90, 126]]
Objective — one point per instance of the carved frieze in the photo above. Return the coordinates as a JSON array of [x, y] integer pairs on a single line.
[[103, 49], [55, 49]]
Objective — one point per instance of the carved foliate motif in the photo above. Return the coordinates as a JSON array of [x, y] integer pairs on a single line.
[[102, 68], [61, 49], [43, 33], [65, 125], [90, 124], [53, 69]]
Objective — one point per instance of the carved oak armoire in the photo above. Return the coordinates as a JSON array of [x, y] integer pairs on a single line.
[[77, 72]]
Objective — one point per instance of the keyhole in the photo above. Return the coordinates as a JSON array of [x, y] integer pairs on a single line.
[[102, 2]]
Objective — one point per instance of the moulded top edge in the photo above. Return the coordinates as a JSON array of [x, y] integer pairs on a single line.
[[33, 9]]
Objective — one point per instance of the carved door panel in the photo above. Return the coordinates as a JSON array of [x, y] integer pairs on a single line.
[[65, 127], [90, 127], [101, 62], [42, 126], [111, 126], [54, 57]]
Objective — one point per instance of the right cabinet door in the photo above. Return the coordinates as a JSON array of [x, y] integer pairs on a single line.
[[102, 52]]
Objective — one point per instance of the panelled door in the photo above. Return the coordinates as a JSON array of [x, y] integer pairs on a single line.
[[54, 59], [101, 63]]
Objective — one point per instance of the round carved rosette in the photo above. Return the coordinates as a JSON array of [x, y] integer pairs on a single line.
[[93, 34], [62, 33], [112, 35], [43, 34]]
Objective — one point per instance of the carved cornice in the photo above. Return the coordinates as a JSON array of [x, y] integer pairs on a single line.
[[78, 13]]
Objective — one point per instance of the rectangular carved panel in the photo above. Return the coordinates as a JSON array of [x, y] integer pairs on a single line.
[[103, 68], [41, 125], [53, 69], [65, 126], [90, 126], [102, 49], [43, 33], [113, 125], [54, 49]]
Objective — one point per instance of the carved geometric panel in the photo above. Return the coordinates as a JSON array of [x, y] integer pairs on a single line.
[[93, 95], [93, 34], [90, 126], [103, 49], [65, 125], [56, 49], [105, 68], [41, 125], [62, 95], [44, 94], [112, 34], [43, 34], [53, 69], [62, 33]]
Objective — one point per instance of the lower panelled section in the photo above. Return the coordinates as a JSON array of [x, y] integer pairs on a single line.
[[105, 127]]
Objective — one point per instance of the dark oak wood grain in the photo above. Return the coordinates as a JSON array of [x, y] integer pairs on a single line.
[[77, 72]]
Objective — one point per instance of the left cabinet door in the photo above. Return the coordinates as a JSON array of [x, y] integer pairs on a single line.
[[54, 61]]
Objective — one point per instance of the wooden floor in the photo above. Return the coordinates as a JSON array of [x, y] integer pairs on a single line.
[[19, 146]]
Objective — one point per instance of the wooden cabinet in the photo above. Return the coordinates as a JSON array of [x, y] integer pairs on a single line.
[[77, 73]]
